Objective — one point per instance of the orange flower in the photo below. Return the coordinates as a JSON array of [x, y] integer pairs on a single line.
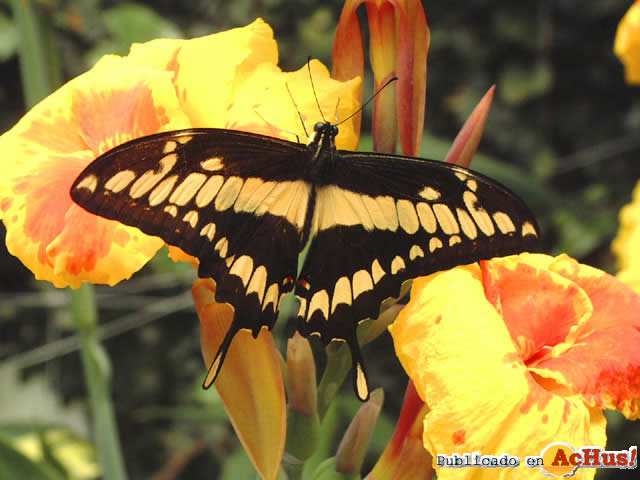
[[399, 43], [627, 43], [162, 85], [538, 346]]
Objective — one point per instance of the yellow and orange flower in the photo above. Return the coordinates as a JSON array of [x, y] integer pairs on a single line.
[[518, 353], [160, 86], [627, 43]]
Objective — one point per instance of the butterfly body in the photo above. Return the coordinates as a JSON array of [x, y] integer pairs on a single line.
[[246, 205]]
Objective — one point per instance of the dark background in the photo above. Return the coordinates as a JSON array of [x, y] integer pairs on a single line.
[[562, 133]]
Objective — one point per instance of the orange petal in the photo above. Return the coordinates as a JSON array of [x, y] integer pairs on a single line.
[[250, 383], [383, 52], [466, 143], [348, 54], [51, 145], [413, 44]]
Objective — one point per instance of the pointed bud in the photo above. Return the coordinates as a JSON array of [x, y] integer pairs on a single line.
[[466, 143], [355, 442]]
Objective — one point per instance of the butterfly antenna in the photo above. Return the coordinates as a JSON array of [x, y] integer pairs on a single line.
[[313, 88], [274, 129], [368, 101], [297, 110]]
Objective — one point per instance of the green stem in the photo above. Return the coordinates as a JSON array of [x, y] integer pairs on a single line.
[[97, 374], [39, 61], [336, 370], [292, 467]]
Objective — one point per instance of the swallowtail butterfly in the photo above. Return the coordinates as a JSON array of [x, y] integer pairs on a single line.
[[245, 205]]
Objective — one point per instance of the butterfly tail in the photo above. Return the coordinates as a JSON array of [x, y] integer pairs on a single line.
[[360, 381], [218, 360]]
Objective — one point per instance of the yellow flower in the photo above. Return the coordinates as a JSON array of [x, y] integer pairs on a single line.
[[627, 43], [626, 245], [517, 353]]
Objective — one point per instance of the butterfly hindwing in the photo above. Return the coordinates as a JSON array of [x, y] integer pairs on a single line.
[[384, 219], [233, 200]]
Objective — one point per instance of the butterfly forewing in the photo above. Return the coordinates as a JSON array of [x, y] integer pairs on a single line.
[[235, 201]]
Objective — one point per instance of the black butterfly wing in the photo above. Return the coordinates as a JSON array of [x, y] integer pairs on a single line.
[[234, 200], [383, 219]]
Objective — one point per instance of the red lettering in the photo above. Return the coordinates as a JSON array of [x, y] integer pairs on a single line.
[[621, 459], [575, 459], [608, 459], [591, 456], [560, 459]]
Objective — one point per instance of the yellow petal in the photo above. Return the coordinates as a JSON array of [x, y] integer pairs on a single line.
[[627, 43], [250, 382]]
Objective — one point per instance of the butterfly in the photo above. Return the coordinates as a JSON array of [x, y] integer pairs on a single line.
[[246, 205]]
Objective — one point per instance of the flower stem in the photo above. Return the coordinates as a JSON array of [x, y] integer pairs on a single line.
[[97, 373]]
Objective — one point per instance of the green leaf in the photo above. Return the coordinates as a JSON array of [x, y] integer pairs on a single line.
[[8, 38], [13, 464]]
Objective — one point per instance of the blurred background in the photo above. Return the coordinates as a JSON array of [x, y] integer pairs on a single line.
[[562, 133]]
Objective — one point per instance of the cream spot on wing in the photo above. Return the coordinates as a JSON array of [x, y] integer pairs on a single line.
[[434, 244], [191, 217], [388, 208], [375, 212], [479, 214], [258, 282], [453, 239], [120, 180], [504, 222], [209, 231], [271, 296], [209, 190], [472, 184], [461, 176], [187, 189], [362, 282], [415, 252], [302, 311], [361, 383], [377, 271], [90, 182], [228, 193], [212, 164], [184, 139], [341, 207], [468, 227], [229, 260], [341, 293], [446, 219], [528, 229], [289, 200], [162, 191], [171, 210], [151, 177], [222, 246], [407, 217], [169, 147], [430, 193], [258, 197], [249, 188], [319, 302], [427, 218], [243, 268], [397, 265]]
